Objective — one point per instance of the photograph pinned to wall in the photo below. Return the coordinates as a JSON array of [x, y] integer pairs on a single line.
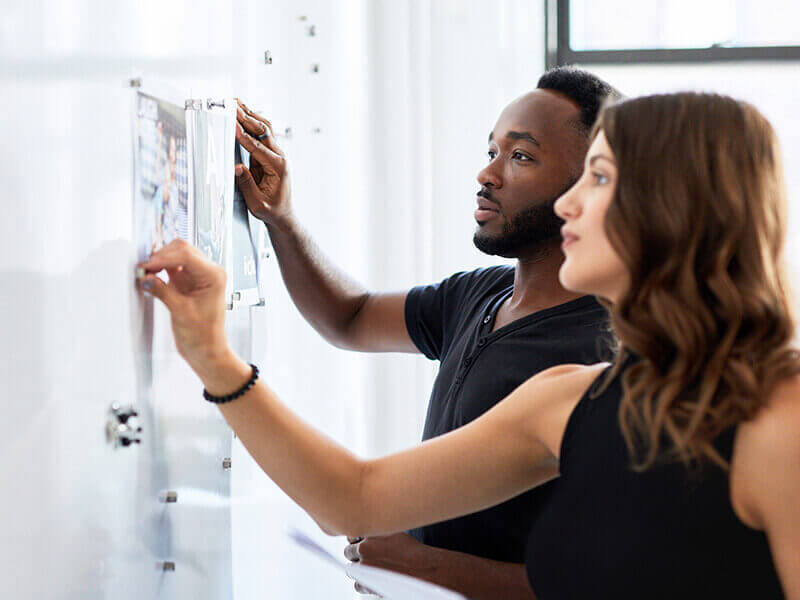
[[161, 175], [212, 136]]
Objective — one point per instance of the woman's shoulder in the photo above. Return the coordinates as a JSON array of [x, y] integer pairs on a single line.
[[569, 376], [766, 455], [550, 397]]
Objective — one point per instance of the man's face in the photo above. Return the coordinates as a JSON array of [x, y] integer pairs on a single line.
[[536, 152]]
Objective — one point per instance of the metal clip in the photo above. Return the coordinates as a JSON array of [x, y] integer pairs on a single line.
[[121, 426], [168, 497], [135, 82], [226, 464], [211, 103], [193, 104]]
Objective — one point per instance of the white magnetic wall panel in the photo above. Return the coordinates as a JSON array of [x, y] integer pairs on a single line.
[[79, 519]]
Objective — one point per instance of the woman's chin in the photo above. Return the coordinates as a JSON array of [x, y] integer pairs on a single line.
[[569, 279]]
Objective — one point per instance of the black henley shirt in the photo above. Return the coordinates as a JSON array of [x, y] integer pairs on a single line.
[[452, 322]]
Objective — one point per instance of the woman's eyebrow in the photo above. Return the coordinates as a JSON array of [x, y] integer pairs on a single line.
[[597, 157]]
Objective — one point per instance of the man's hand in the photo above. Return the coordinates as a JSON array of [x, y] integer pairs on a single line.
[[399, 552], [475, 577], [265, 186]]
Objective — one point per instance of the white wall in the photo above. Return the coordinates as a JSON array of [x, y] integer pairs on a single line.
[[77, 519]]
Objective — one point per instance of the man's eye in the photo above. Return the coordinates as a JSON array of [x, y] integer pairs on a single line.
[[491, 154], [520, 156]]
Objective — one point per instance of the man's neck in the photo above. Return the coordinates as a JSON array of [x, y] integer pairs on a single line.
[[536, 284]]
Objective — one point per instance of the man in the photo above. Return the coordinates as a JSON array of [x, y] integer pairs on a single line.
[[491, 329]]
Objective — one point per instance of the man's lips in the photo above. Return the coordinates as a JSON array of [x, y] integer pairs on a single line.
[[486, 210]]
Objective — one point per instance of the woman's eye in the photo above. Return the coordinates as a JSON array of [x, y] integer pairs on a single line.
[[491, 154], [599, 178], [520, 156]]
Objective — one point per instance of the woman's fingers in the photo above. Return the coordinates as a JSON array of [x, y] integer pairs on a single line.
[[178, 253], [185, 265], [163, 291]]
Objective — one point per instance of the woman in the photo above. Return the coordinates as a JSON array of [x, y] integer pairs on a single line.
[[680, 463]]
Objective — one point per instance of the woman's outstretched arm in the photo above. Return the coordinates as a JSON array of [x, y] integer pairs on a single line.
[[507, 451]]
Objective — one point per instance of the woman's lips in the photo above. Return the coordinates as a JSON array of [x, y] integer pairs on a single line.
[[569, 239]]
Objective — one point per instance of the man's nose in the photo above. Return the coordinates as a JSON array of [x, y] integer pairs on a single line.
[[490, 177]]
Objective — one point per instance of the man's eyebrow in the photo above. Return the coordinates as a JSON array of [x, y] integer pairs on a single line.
[[523, 135], [519, 135], [594, 158]]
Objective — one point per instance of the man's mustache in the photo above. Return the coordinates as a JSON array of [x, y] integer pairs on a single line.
[[485, 193]]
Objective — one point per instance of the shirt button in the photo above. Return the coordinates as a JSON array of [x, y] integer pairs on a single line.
[[481, 342], [468, 361], [487, 319]]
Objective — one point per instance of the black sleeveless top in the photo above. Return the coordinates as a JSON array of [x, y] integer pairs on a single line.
[[610, 532]]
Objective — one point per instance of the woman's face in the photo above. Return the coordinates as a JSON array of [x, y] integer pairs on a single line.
[[591, 264]]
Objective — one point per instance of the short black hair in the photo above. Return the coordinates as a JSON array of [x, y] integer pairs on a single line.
[[586, 89]]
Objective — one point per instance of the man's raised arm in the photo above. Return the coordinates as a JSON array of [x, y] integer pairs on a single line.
[[340, 309]]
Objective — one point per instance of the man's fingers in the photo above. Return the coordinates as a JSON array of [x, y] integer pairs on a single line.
[[352, 553], [254, 127], [250, 191], [254, 115], [259, 125], [256, 149], [354, 540]]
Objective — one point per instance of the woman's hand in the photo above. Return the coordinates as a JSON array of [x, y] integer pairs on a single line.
[[195, 297]]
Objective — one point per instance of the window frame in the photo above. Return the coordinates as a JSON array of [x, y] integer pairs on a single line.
[[558, 51]]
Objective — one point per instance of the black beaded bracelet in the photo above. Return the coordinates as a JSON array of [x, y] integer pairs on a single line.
[[240, 392]]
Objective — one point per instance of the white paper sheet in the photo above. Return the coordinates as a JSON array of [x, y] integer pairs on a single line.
[[387, 584]]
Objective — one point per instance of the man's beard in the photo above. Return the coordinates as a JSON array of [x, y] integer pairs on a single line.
[[531, 229]]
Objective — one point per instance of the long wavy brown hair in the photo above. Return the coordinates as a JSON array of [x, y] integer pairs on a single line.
[[698, 217]]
